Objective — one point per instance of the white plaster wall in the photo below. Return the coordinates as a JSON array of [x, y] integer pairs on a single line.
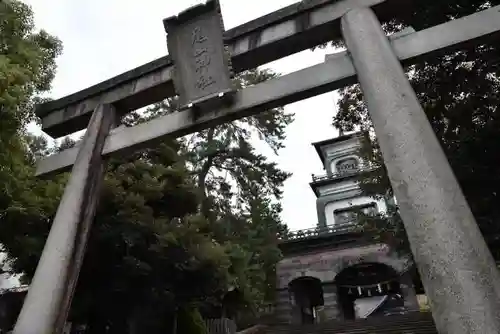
[[331, 207], [337, 188]]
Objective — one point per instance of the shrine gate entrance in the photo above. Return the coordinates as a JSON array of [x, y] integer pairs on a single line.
[[457, 269]]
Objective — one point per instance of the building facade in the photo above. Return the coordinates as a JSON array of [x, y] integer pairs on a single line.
[[336, 271]]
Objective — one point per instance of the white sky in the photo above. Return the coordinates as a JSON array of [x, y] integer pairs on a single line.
[[103, 38]]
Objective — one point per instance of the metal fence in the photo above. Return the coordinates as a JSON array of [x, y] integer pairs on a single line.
[[317, 231], [333, 176]]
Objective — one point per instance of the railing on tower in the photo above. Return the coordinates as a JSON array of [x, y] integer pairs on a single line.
[[321, 231], [333, 176]]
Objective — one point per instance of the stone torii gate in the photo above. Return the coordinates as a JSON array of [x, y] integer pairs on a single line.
[[457, 269]]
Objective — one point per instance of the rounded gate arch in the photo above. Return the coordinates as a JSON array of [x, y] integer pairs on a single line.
[[320, 276], [369, 286], [306, 296], [399, 265]]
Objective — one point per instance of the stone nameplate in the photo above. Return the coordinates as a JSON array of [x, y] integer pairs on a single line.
[[202, 62]]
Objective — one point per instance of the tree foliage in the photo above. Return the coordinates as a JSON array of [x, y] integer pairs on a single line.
[[240, 188], [27, 66], [178, 225], [195, 217], [459, 92], [146, 248]]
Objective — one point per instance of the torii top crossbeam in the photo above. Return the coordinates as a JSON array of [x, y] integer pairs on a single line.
[[287, 31], [153, 81]]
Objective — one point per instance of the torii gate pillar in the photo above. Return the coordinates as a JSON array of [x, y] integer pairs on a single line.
[[457, 269]]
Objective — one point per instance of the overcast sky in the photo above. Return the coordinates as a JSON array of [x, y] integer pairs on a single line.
[[103, 38]]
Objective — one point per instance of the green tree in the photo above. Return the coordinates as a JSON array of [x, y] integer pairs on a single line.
[[459, 92], [241, 236], [149, 230], [27, 67], [149, 246], [146, 256], [177, 225], [240, 188]]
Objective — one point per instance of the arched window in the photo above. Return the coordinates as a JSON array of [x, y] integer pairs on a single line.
[[350, 214], [348, 165]]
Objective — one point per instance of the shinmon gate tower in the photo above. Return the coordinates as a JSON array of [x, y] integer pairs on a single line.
[[336, 271], [456, 267]]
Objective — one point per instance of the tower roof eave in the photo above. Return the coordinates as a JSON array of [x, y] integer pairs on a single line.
[[315, 185], [318, 145]]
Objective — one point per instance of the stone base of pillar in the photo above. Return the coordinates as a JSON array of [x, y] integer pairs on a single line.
[[330, 307], [408, 291], [283, 310], [296, 315]]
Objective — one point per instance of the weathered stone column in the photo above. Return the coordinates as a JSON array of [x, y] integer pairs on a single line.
[[283, 310], [330, 297], [295, 314], [408, 291], [456, 267], [49, 296]]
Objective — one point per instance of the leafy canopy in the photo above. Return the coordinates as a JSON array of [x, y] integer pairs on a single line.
[[177, 226]]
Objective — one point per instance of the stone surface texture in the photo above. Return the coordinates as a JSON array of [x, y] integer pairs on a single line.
[[457, 270], [336, 72], [49, 296], [279, 34], [202, 62]]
